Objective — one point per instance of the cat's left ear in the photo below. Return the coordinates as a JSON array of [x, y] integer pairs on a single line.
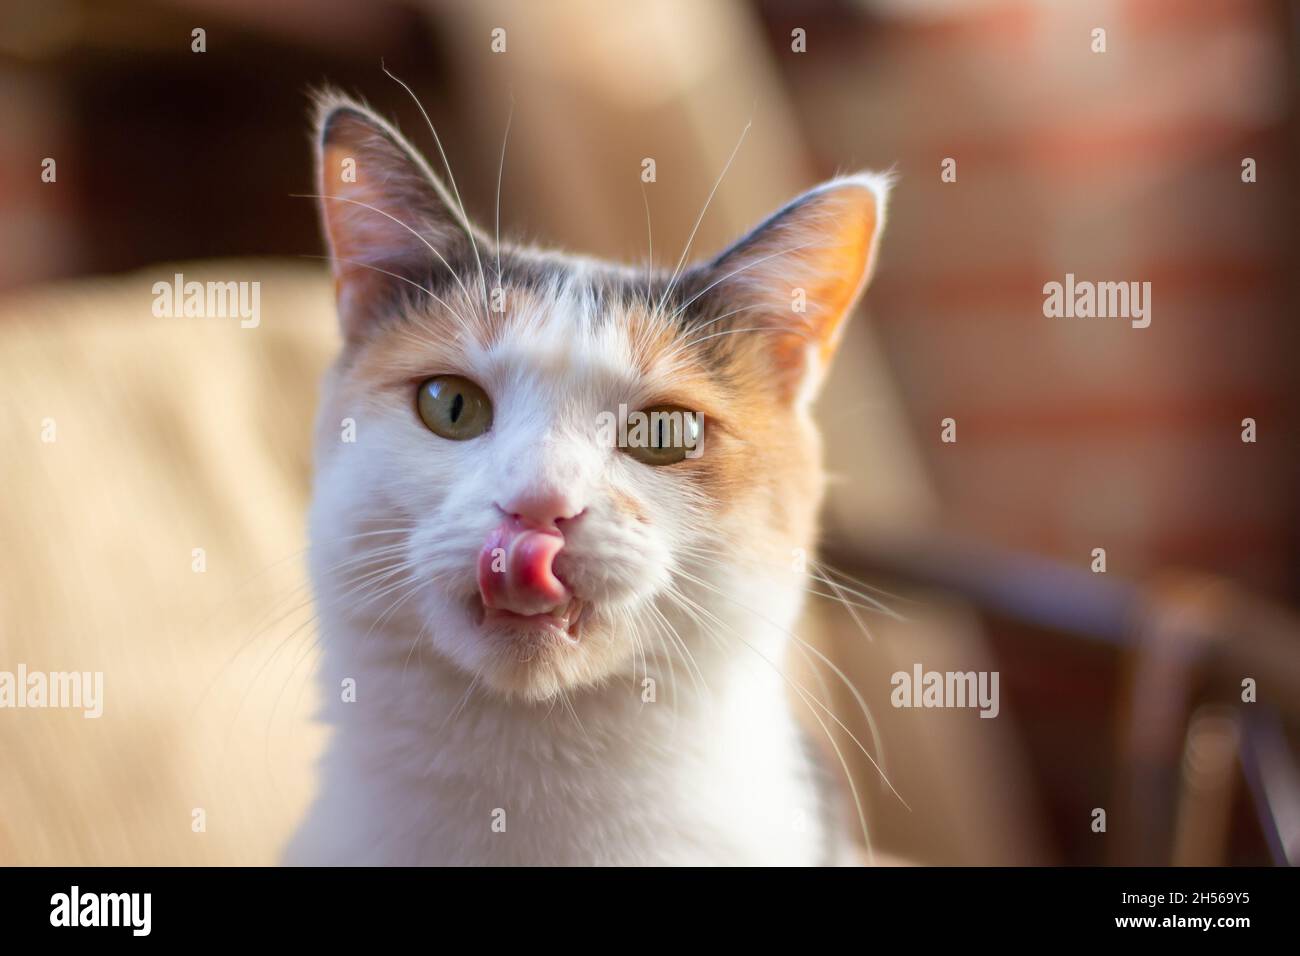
[[388, 219], [795, 278]]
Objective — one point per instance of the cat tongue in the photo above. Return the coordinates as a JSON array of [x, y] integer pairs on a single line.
[[515, 569]]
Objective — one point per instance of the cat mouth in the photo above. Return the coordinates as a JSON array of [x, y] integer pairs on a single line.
[[563, 622]]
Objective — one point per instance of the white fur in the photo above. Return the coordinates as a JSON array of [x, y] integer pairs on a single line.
[[712, 772]]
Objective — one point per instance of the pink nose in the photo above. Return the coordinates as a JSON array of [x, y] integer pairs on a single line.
[[515, 567], [540, 508]]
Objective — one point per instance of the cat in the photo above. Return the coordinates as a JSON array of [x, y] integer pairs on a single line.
[[541, 646]]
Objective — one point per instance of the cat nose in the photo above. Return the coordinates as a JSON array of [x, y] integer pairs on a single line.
[[541, 509]]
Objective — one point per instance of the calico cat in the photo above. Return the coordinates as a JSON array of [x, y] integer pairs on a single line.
[[543, 645]]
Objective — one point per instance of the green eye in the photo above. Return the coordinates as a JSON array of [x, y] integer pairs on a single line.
[[454, 407], [664, 435]]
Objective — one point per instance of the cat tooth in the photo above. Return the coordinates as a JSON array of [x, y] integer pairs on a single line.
[[577, 612]]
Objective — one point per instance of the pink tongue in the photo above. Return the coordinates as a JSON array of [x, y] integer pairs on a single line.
[[515, 569]]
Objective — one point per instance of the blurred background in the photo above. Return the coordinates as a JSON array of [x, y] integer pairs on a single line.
[[1121, 689]]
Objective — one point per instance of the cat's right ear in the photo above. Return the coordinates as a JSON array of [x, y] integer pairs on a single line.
[[387, 218]]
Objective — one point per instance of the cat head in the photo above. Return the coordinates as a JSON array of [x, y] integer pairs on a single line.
[[533, 464]]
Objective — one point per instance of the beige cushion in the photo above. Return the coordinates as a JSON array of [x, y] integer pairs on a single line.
[[171, 434]]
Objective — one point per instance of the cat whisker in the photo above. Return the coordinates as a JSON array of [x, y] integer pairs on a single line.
[[811, 699], [311, 645], [633, 626], [684, 343], [693, 668], [451, 178], [832, 570], [735, 272], [409, 578], [427, 291], [416, 644], [762, 328], [460, 705], [836, 670], [258, 575], [425, 242], [567, 703], [500, 170], [699, 219], [650, 244], [849, 606], [263, 628], [638, 644], [804, 651], [841, 595]]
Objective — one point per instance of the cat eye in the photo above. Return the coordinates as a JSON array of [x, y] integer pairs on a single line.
[[454, 407], [663, 435]]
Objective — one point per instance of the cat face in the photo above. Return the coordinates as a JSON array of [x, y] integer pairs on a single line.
[[531, 465]]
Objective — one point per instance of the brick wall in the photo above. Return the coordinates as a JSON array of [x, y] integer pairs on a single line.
[[1124, 165]]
